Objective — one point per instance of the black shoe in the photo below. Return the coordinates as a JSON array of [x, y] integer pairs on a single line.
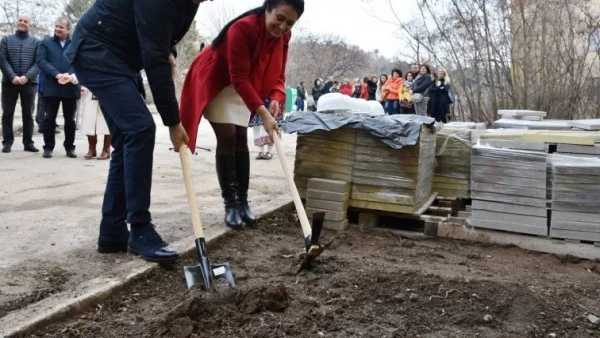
[[108, 249], [47, 154], [144, 241], [228, 182], [31, 148], [71, 153], [242, 169], [6, 149]]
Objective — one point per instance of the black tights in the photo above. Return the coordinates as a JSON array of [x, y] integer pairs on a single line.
[[231, 138]]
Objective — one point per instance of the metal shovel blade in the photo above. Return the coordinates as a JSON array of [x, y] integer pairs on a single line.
[[204, 273], [313, 248]]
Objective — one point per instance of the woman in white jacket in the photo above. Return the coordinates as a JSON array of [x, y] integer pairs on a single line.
[[93, 124]]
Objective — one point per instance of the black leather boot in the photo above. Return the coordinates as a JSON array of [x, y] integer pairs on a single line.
[[242, 169], [228, 182]]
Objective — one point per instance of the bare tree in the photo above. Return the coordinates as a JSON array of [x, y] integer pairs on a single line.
[[42, 15], [528, 54], [313, 56]]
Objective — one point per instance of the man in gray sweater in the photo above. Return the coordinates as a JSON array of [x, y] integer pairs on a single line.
[[20, 74]]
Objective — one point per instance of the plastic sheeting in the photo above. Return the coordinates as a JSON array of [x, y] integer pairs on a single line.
[[396, 131]]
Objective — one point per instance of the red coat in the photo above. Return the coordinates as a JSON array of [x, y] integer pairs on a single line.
[[246, 59], [347, 89], [364, 94]]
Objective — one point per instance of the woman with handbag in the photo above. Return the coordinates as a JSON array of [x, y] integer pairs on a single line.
[[404, 97], [420, 90]]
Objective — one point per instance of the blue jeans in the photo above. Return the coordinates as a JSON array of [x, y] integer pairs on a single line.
[[300, 104], [392, 107], [133, 132]]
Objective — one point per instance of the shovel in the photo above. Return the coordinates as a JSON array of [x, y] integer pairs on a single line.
[[204, 272], [311, 232]]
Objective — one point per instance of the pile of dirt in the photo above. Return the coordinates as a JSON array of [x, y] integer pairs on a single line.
[[367, 284]]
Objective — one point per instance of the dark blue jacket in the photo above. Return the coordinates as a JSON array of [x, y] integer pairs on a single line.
[[123, 37], [51, 61]]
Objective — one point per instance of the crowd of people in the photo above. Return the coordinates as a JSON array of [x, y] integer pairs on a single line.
[[419, 91]]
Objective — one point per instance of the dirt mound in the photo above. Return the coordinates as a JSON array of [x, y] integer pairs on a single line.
[[271, 298]]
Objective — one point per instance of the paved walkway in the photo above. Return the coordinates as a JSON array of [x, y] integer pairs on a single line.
[[50, 210]]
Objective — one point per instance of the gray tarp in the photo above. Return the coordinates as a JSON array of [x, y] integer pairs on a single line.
[[396, 131]]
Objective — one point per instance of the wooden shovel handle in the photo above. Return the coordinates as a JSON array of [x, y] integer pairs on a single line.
[[191, 191], [306, 229]]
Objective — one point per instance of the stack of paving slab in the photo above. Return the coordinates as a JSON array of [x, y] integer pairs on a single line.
[[331, 197], [394, 180], [575, 198], [508, 187], [452, 177], [529, 120], [324, 154]]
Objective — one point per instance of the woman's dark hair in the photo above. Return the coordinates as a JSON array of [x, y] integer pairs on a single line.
[[384, 75], [396, 70], [426, 67], [366, 79], [317, 80], [407, 74], [267, 6]]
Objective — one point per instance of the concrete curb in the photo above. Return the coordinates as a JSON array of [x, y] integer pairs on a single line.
[[88, 294]]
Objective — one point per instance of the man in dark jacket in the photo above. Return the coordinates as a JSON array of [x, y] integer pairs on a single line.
[[113, 41], [301, 96], [20, 73], [60, 86]]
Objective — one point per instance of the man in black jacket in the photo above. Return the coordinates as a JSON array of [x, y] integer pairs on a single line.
[[113, 41], [20, 73], [60, 86]]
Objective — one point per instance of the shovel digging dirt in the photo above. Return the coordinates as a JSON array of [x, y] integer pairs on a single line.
[[204, 272], [312, 232]]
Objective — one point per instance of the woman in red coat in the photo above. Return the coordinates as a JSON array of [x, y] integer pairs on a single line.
[[241, 74]]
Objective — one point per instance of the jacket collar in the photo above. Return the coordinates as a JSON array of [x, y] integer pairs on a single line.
[[55, 38]]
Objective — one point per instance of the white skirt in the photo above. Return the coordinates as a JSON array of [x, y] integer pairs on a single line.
[[228, 107], [92, 121]]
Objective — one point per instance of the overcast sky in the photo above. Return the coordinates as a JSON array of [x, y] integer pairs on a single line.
[[359, 23]]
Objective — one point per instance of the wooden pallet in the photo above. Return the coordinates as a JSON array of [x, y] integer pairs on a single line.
[[425, 220]]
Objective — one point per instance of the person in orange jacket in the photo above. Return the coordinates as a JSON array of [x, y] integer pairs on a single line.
[[390, 91]]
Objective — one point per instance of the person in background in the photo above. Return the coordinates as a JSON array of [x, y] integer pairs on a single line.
[[415, 70], [346, 88], [364, 88], [335, 88], [404, 98], [440, 97], [390, 91], [317, 90], [93, 124], [301, 96], [420, 90], [380, 96], [328, 85], [19, 80], [242, 74], [61, 87], [356, 89], [372, 88]]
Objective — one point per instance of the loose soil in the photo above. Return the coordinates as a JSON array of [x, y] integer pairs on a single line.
[[368, 283]]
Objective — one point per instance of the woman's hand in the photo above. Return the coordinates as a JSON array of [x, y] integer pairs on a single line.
[[274, 108], [268, 121]]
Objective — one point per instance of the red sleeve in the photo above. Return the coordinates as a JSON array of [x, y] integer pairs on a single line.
[[238, 45], [278, 93]]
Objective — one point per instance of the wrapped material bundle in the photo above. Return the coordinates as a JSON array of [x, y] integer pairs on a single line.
[[508, 188]]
